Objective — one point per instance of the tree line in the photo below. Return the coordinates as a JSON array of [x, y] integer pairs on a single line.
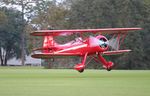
[[17, 23]]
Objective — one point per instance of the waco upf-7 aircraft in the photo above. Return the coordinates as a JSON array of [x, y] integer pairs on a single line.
[[94, 46]]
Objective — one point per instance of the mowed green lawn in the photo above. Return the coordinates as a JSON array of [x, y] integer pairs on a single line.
[[24, 81]]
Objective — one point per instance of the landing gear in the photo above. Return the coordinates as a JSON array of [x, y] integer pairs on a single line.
[[109, 66], [82, 70], [79, 67], [108, 69]]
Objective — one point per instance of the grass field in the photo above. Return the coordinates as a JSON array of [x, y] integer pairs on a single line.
[[27, 81]]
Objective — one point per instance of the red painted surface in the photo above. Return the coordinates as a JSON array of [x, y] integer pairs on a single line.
[[81, 47], [69, 32]]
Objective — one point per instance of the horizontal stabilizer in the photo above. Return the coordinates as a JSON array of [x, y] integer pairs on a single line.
[[115, 52]]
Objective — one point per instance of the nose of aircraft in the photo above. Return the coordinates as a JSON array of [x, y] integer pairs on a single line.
[[100, 41], [103, 44]]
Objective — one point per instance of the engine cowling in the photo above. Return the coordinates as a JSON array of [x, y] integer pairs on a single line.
[[103, 42]]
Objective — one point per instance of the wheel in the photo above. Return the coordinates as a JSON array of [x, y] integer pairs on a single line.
[[79, 67], [108, 69], [82, 70], [110, 66]]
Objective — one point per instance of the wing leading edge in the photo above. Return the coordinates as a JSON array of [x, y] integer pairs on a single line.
[[116, 52], [49, 55], [69, 32]]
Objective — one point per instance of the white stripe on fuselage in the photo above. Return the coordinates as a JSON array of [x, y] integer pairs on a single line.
[[72, 48]]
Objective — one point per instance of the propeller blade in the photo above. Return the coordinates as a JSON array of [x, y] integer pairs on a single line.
[[113, 43]]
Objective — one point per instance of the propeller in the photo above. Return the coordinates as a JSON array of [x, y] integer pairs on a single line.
[[114, 43], [104, 43]]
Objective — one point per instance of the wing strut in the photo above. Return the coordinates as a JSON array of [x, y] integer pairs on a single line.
[[117, 40], [92, 58]]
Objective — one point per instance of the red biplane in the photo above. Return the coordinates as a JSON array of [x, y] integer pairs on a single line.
[[94, 46]]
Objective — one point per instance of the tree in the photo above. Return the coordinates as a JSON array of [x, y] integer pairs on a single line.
[[49, 14], [3, 18], [10, 35], [26, 10]]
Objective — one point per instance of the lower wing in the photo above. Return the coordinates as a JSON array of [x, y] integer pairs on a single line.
[[115, 52], [50, 55]]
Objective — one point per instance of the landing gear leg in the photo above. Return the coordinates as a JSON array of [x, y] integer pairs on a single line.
[[80, 67], [106, 64]]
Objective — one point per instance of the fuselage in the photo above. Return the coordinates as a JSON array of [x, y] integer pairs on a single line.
[[90, 45]]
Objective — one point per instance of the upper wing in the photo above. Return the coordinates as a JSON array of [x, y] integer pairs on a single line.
[[69, 32]]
